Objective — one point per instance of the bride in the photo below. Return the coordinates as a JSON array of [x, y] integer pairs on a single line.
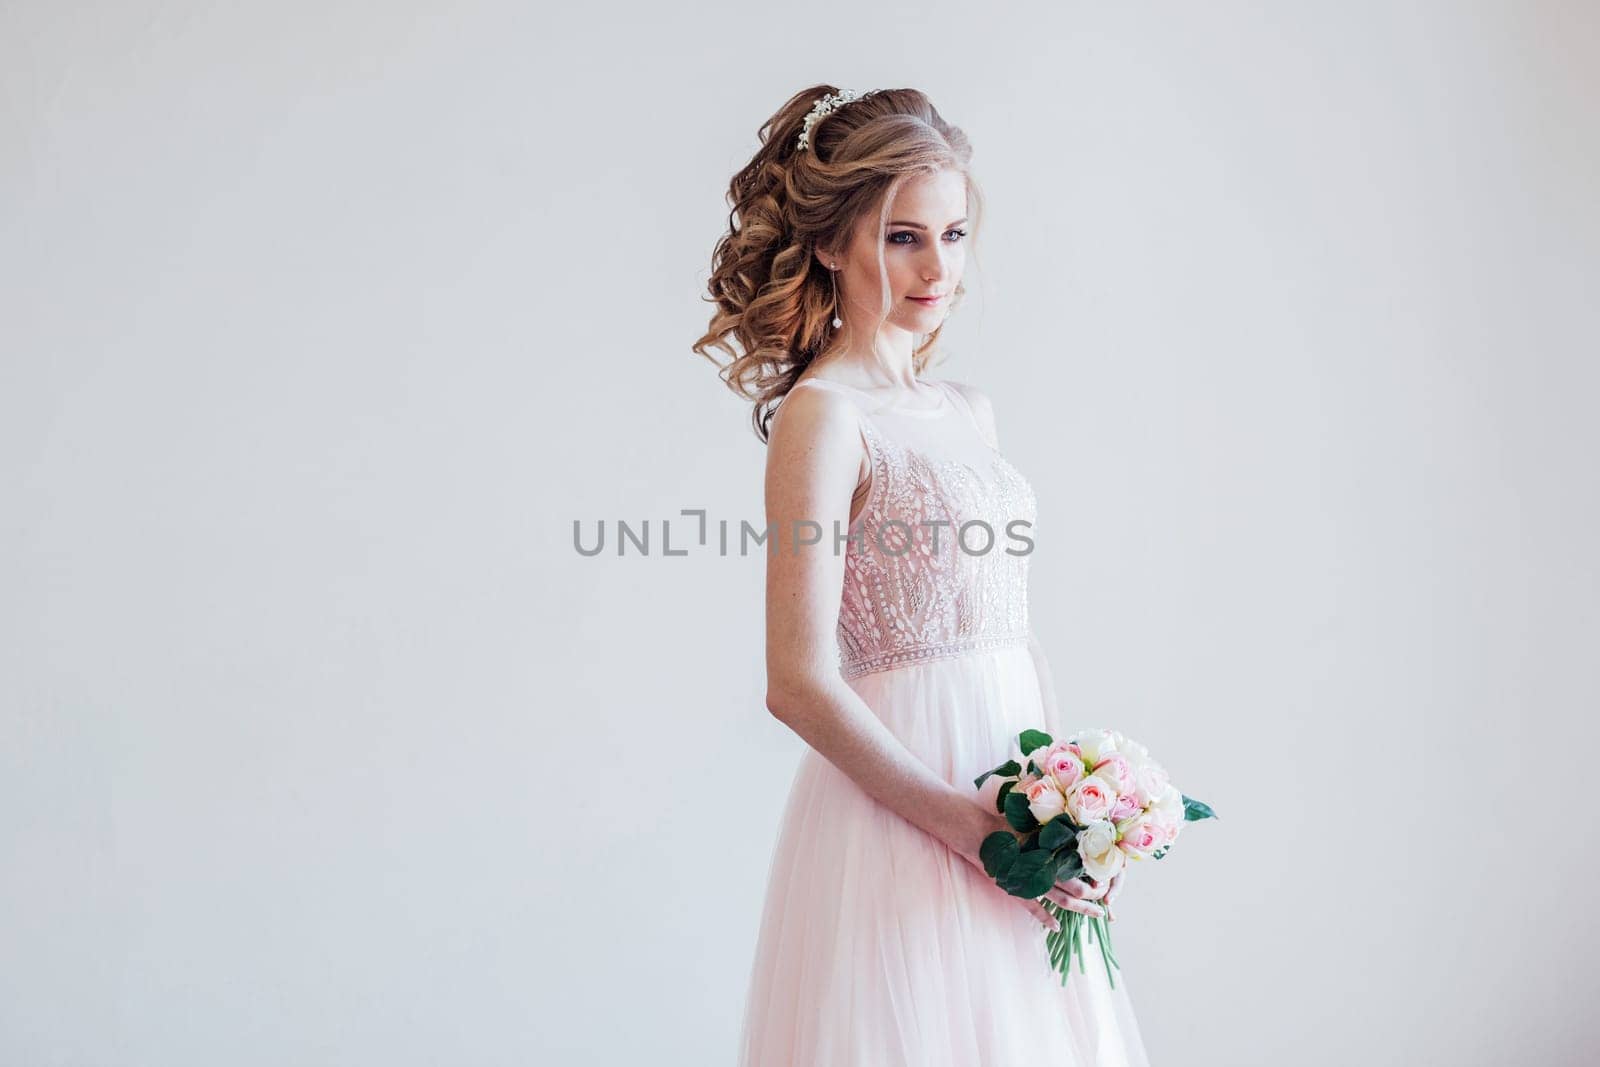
[[898, 641]]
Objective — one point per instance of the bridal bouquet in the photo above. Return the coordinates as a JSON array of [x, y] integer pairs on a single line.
[[1089, 805]]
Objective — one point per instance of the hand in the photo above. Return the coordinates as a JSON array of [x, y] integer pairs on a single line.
[[1104, 892], [967, 838]]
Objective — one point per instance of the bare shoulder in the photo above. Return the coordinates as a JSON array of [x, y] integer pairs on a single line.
[[817, 430], [978, 400], [808, 417]]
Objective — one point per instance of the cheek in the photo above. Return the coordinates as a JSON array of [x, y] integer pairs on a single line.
[[903, 275]]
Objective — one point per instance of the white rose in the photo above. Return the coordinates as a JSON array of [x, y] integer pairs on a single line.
[[1150, 782], [1096, 745], [1097, 847], [1168, 804], [1167, 826]]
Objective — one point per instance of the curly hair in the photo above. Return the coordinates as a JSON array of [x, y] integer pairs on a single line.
[[774, 300]]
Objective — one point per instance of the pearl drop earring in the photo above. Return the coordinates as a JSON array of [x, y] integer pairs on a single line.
[[834, 277]]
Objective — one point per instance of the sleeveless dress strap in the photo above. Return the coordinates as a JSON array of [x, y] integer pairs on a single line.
[[961, 401], [825, 383]]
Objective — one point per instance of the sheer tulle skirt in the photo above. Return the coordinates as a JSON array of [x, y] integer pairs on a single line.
[[878, 947]]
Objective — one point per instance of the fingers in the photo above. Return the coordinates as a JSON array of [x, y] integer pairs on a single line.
[[1087, 890], [1072, 903], [1113, 887], [1042, 913]]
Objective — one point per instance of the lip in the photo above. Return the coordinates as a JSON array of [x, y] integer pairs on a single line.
[[927, 301]]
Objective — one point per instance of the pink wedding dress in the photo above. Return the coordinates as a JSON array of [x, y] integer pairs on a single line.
[[878, 946]]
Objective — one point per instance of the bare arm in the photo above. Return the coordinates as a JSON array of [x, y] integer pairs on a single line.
[[814, 463]]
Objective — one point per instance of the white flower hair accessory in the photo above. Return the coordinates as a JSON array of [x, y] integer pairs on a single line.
[[826, 105]]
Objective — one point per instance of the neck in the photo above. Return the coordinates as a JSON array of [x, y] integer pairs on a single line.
[[889, 365]]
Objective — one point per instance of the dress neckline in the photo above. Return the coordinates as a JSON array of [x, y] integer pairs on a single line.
[[943, 406]]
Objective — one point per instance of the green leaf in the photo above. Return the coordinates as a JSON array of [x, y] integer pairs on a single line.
[[1068, 864], [1008, 767], [1031, 875], [1000, 797], [1028, 740], [1195, 810], [1057, 832], [1017, 813], [998, 852]]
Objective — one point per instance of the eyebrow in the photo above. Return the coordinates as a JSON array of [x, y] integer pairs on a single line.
[[920, 226]]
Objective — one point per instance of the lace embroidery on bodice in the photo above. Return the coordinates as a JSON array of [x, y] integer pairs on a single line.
[[911, 592]]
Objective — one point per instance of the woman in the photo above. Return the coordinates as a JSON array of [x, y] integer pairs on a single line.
[[898, 641]]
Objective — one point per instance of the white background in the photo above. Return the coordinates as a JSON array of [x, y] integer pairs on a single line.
[[320, 744]]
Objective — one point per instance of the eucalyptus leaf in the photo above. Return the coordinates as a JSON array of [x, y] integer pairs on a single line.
[[1195, 810]]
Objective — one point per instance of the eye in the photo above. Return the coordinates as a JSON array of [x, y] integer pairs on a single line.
[[894, 238]]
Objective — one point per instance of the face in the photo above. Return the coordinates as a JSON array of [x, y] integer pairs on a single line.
[[924, 254]]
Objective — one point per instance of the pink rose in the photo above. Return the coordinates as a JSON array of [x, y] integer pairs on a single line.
[[1036, 757], [1091, 800], [1140, 836], [1116, 769], [1064, 763], [1126, 807], [1044, 799]]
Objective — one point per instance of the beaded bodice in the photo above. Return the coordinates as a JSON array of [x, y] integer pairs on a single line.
[[937, 561]]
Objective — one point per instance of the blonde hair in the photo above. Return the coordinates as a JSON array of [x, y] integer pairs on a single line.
[[774, 301]]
